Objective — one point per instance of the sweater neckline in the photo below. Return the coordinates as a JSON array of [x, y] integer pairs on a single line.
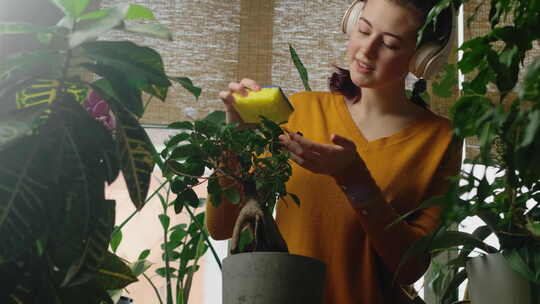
[[397, 137]]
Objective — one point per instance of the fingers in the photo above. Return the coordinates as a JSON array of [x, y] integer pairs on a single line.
[[299, 150], [343, 142], [243, 86], [314, 147]]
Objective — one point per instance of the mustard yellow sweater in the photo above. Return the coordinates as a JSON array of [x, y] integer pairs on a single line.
[[360, 254]]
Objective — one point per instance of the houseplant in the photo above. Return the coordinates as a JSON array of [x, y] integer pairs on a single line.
[[256, 180], [58, 151], [506, 122]]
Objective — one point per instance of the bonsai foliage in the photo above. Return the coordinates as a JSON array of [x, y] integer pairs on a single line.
[[57, 151], [504, 115], [247, 168]]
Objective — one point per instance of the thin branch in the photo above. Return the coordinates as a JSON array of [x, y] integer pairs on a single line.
[[153, 287], [207, 240]]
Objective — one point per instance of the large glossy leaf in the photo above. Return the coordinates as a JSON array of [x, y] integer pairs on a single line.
[[100, 24], [17, 124], [444, 239], [142, 67], [95, 246], [115, 89], [114, 273], [187, 84], [25, 180], [135, 151]]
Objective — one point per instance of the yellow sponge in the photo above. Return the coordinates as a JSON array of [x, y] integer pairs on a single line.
[[269, 102]]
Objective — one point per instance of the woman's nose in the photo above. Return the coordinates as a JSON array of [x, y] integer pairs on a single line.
[[369, 48]]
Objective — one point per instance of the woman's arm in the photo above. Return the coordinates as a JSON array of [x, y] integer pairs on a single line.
[[376, 214]]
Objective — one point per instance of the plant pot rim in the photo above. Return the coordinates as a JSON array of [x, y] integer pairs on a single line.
[[273, 253]]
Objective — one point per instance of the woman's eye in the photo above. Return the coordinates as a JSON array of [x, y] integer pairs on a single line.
[[390, 46]]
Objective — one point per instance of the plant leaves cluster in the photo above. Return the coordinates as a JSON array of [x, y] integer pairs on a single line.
[[55, 158], [242, 161], [508, 131]]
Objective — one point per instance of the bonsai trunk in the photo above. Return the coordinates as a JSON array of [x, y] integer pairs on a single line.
[[266, 235]]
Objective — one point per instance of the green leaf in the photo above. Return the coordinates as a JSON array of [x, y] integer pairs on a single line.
[[95, 247], [190, 197], [144, 254], [113, 86], [136, 151], [135, 11], [142, 67], [23, 206], [531, 131], [184, 151], [187, 84], [93, 30], [534, 228], [21, 28], [151, 30], [114, 273], [178, 206], [232, 195], [139, 267], [453, 285], [300, 68], [431, 19], [165, 220], [163, 271], [518, 264], [18, 124], [72, 8], [116, 239], [181, 125], [99, 14], [445, 87], [531, 83], [216, 117], [443, 240]]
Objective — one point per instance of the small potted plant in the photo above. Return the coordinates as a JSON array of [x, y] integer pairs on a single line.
[[248, 169]]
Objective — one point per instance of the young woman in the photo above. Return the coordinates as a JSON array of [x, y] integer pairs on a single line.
[[365, 155]]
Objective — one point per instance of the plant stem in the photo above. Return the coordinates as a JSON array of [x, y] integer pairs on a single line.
[[137, 211], [167, 266], [205, 236], [147, 103], [153, 287]]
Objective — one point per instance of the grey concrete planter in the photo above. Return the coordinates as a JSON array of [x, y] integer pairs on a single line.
[[492, 281], [272, 278]]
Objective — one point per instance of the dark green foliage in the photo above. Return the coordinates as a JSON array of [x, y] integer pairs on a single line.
[[263, 168], [55, 158], [508, 130]]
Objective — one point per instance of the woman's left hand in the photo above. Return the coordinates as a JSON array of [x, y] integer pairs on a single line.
[[330, 159]]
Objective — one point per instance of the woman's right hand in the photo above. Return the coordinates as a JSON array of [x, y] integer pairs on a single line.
[[227, 97]]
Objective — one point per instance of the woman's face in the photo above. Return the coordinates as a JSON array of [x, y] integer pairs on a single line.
[[381, 44]]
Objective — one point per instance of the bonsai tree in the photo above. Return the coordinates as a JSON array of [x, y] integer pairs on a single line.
[[247, 167], [505, 118], [63, 138]]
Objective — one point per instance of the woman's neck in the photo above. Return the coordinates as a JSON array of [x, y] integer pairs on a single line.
[[378, 102]]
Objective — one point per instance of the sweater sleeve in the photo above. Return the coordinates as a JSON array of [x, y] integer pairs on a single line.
[[391, 244], [220, 219]]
